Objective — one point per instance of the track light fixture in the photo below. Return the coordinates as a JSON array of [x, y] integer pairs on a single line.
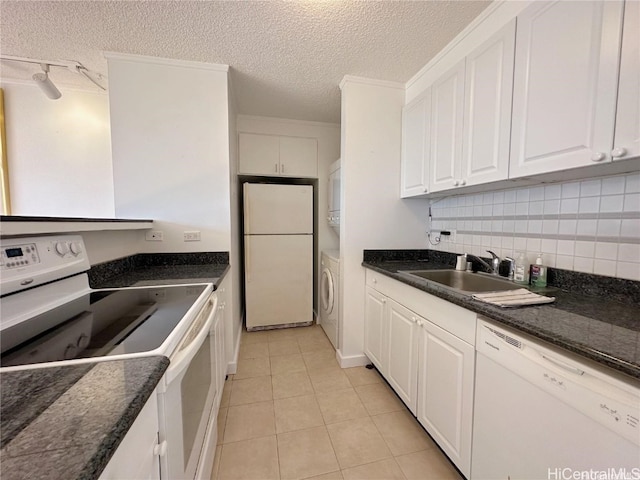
[[42, 78], [44, 82]]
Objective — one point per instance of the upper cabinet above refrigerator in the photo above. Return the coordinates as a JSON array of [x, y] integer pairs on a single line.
[[277, 156]]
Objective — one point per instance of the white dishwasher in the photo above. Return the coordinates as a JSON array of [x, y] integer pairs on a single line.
[[539, 414]]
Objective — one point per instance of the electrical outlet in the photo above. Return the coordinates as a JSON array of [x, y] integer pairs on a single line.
[[192, 236], [154, 236]]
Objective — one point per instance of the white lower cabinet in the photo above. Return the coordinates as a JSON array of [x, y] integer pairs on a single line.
[[136, 458], [445, 396], [424, 347]]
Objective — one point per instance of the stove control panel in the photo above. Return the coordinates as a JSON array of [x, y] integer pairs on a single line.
[[30, 261]]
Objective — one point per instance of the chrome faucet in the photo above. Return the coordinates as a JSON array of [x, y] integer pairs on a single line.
[[495, 262]]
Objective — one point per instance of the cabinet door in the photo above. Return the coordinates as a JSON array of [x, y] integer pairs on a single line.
[[298, 157], [402, 351], [627, 135], [487, 116], [416, 121], [445, 396], [447, 110], [374, 331], [565, 84], [258, 154]]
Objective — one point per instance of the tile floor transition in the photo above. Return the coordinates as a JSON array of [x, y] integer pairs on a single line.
[[290, 412]]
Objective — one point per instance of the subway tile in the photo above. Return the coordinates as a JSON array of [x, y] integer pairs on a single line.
[[628, 270], [535, 226], [581, 264], [507, 243], [509, 209], [549, 245], [520, 244], [569, 205], [496, 242], [567, 226], [565, 247], [629, 252], [522, 208], [551, 207], [487, 198], [536, 194], [613, 185], [549, 259], [522, 195], [468, 200], [586, 227], [534, 245], [611, 203], [584, 249], [550, 227], [486, 226], [498, 197], [521, 226], [589, 205], [610, 227], [487, 210], [510, 196], [477, 199], [477, 211], [590, 188], [498, 210], [571, 190], [496, 226], [630, 228], [508, 226], [486, 240], [632, 184], [477, 240], [564, 261], [536, 208], [606, 251], [477, 226], [632, 202], [604, 267], [552, 192]]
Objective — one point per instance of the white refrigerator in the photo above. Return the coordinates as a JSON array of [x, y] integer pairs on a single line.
[[278, 254]]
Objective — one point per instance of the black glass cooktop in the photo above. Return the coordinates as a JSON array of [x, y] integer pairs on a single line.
[[100, 323]]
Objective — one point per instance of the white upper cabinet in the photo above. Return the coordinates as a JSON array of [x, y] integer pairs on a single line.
[[416, 123], [627, 133], [447, 110], [277, 156], [565, 85], [471, 116], [487, 114]]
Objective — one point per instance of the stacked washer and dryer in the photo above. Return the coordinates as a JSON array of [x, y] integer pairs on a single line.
[[330, 263]]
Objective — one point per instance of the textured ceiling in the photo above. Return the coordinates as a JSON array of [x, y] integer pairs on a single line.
[[286, 58]]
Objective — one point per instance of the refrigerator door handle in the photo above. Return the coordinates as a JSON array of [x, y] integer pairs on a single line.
[[247, 208]]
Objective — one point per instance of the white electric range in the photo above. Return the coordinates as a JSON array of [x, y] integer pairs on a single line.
[[49, 316]]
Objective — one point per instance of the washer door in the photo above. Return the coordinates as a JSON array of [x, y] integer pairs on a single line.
[[326, 291]]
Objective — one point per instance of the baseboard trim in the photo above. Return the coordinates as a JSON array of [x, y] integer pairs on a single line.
[[348, 361]]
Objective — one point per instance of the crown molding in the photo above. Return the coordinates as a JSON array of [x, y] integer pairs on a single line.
[[128, 57]]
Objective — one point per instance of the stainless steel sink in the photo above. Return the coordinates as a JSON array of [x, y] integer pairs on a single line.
[[464, 282]]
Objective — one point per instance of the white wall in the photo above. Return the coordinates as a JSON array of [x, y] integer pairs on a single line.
[[59, 152], [104, 246], [373, 215], [170, 142]]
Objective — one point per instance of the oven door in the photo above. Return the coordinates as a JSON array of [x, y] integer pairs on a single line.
[[186, 396]]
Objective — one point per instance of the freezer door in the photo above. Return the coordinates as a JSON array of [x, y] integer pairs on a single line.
[[278, 279], [277, 209]]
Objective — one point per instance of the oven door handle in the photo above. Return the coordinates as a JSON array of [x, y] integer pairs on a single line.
[[198, 332]]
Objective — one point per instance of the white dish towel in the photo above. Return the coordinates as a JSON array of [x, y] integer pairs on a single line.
[[513, 298]]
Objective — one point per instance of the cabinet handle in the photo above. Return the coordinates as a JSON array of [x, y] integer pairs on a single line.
[[463, 182], [456, 183], [276, 166], [597, 157], [618, 152]]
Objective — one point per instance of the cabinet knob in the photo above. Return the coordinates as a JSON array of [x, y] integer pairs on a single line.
[[375, 280], [463, 182], [384, 300], [618, 152], [597, 157], [414, 320], [426, 189], [419, 322], [456, 183]]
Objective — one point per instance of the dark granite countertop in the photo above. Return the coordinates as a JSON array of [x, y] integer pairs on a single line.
[[597, 327], [66, 422], [161, 269]]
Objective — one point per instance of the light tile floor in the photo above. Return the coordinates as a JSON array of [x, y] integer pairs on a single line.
[[290, 412]]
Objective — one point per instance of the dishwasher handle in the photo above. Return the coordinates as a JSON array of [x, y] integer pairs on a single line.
[[563, 365]]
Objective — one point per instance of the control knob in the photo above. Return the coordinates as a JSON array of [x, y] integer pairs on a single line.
[[70, 351], [76, 248], [62, 248]]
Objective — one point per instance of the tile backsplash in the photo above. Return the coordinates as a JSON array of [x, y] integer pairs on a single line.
[[590, 226]]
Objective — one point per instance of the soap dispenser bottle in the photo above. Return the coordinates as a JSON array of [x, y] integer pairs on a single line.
[[521, 272], [538, 273]]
